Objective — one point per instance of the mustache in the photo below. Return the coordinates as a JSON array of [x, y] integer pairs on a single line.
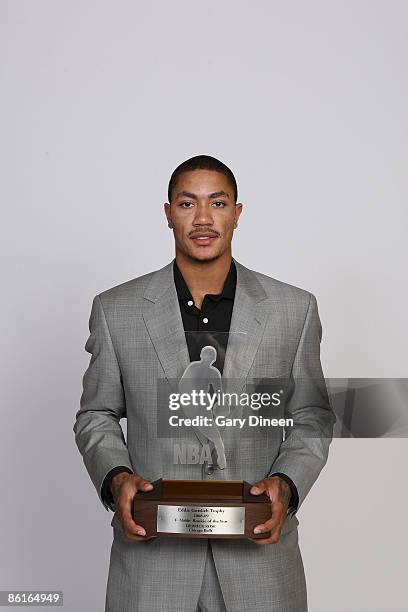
[[204, 232]]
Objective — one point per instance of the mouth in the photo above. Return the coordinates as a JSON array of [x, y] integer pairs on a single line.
[[203, 239]]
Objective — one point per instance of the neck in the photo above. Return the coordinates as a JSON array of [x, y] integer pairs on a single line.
[[204, 277]]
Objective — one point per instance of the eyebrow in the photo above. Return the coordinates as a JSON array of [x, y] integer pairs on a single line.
[[216, 194]]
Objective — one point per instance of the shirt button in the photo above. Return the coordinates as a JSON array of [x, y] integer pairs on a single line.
[[205, 320], [190, 302]]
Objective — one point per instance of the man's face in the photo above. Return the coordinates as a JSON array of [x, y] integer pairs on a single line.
[[203, 214]]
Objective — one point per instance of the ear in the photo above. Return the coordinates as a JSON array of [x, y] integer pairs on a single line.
[[238, 211], [167, 211]]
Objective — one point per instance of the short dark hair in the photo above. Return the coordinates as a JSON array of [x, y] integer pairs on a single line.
[[202, 162]]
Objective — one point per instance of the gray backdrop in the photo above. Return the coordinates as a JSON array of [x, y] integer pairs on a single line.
[[306, 101]]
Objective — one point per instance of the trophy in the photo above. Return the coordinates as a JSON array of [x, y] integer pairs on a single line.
[[202, 508]]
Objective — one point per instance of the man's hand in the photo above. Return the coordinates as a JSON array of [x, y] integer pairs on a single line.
[[279, 493], [124, 487]]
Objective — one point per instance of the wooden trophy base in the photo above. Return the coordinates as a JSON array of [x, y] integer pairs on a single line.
[[201, 509]]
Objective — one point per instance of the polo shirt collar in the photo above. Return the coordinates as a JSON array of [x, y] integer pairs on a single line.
[[228, 290]]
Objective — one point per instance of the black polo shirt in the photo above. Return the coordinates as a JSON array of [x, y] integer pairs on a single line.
[[209, 325]]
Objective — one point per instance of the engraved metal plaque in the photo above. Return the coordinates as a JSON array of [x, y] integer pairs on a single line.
[[201, 520]]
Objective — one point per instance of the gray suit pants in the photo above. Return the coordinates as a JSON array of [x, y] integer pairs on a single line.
[[211, 599]]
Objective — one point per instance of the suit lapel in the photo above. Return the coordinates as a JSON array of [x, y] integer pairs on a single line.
[[248, 321], [165, 325]]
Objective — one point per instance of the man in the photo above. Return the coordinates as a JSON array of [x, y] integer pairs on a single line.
[[135, 332]]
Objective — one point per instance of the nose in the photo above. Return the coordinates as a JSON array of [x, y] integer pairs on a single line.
[[203, 215]]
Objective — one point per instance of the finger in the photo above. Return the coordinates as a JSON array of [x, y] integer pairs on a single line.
[[277, 519], [133, 538], [258, 488], [130, 527], [272, 539], [142, 484], [139, 538], [271, 492], [269, 525], [273, 526], [126, 516]]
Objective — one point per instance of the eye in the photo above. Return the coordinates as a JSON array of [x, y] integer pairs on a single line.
[[219, 202], [186, 204]]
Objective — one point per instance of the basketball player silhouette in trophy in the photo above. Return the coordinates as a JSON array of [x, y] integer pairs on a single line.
[[201, 376]]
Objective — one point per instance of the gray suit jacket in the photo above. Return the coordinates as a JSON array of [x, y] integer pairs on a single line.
[[137, 337]]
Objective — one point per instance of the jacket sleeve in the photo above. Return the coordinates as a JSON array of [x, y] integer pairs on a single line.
[[304, 451], [98, 434]]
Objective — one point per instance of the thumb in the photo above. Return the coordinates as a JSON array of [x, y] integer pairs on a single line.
[[145, 485], [258, 488]]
